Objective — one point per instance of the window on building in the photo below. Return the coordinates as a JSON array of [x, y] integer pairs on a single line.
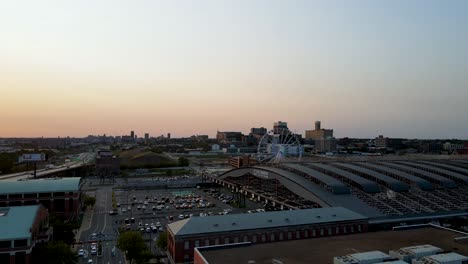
[[345, 229], [359, 228], [306, 233], [21, 243], [15, 203], [226, 240], [186, 244], [186, 257], [254, 239], [263, 237], [236, 240], [321, 231], [20, 257], [352, 229], [289, 235], [3, 197], [5, 244], [207, 242], [217, 241], [70, 205], [281, 236], [197, 243], [329, 231], [57, 194], [5, 258], [45, 195], [298, 234], [30, 202], [314, 233], [337, 230], [246, 239], [30, 195], [16, 196]]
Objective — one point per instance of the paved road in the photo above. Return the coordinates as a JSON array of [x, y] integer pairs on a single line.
[[102, 224]]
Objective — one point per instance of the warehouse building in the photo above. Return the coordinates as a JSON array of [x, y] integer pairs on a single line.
[[259, 228], [21, 228], [60, 196]]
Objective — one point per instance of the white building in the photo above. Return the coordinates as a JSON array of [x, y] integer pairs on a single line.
[[371, 257]]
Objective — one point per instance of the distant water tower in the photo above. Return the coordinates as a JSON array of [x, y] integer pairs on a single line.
[[317, 125]]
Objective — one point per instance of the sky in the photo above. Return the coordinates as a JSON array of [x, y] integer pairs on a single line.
[[364, 68]]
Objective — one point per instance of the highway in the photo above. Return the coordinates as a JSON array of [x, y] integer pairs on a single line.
[[83, 159]]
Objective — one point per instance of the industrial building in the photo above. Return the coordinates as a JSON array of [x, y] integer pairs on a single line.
[[363, 258], [107, 164], [370, 247], [259, 228], [60, 196], [21, 228], [395, 191], [318, 133]]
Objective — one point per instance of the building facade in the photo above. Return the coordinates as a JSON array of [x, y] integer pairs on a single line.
[[21, 228], [186, 235], [60, 196], [318, 133], [107, 164]]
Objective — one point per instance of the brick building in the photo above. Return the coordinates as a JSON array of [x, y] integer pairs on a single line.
[[21, 228], [187, 234], [60, 196]]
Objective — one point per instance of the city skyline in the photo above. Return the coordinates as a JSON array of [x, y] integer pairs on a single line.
[[364, 68]]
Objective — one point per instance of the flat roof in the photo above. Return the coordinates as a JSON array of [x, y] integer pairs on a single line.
[[447, 257], [322, 250], [239, 222], [40, 185], [16, 222]]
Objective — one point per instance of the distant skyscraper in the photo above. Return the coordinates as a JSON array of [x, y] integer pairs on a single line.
[[317, 125], [169, 135], [132, 134], [280, 125], [146, 136]]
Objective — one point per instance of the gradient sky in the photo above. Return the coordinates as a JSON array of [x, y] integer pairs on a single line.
[[396, 67]]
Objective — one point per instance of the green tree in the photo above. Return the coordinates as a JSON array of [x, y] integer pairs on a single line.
[[162, 241], [132, 244], [183, 162], [90, 201], [55, 252]]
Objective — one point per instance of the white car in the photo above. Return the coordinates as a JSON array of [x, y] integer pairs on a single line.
[[124, 210], [81, 252], [93, 251], [181, 216], [90, 261]]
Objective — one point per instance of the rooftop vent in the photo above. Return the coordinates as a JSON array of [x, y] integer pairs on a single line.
[[233, 224], [287, 219], [334, 215], [215, 225], [269, 220], [318, 216]]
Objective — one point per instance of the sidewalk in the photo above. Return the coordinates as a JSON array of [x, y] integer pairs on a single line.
[[86, 223]]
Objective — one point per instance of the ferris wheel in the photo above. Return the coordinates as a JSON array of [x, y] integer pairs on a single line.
[[278, 145]]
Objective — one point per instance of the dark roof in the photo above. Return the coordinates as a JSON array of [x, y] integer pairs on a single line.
[[366, 185], [390, 182], [336, 186], [40, 185], [239, 222], [450, 174]]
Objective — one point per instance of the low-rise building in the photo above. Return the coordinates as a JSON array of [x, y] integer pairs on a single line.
[[409, 253], [21, 228], [371, 257], [60, 196], [447, 258], [187, 234]]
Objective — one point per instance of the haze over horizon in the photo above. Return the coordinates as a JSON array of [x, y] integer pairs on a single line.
[[364, 68]]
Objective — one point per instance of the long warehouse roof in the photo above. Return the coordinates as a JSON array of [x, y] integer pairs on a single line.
[[392, 183], [450, 174], [40, 186]]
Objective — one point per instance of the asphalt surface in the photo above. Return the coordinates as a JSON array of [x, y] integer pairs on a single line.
[[103, 227]]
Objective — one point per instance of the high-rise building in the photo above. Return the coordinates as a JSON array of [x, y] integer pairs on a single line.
[[280, 125], [146, 137], [319, 133], [325, 145], [258, 131], [169, 135], [317, 125], [132, 134]]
